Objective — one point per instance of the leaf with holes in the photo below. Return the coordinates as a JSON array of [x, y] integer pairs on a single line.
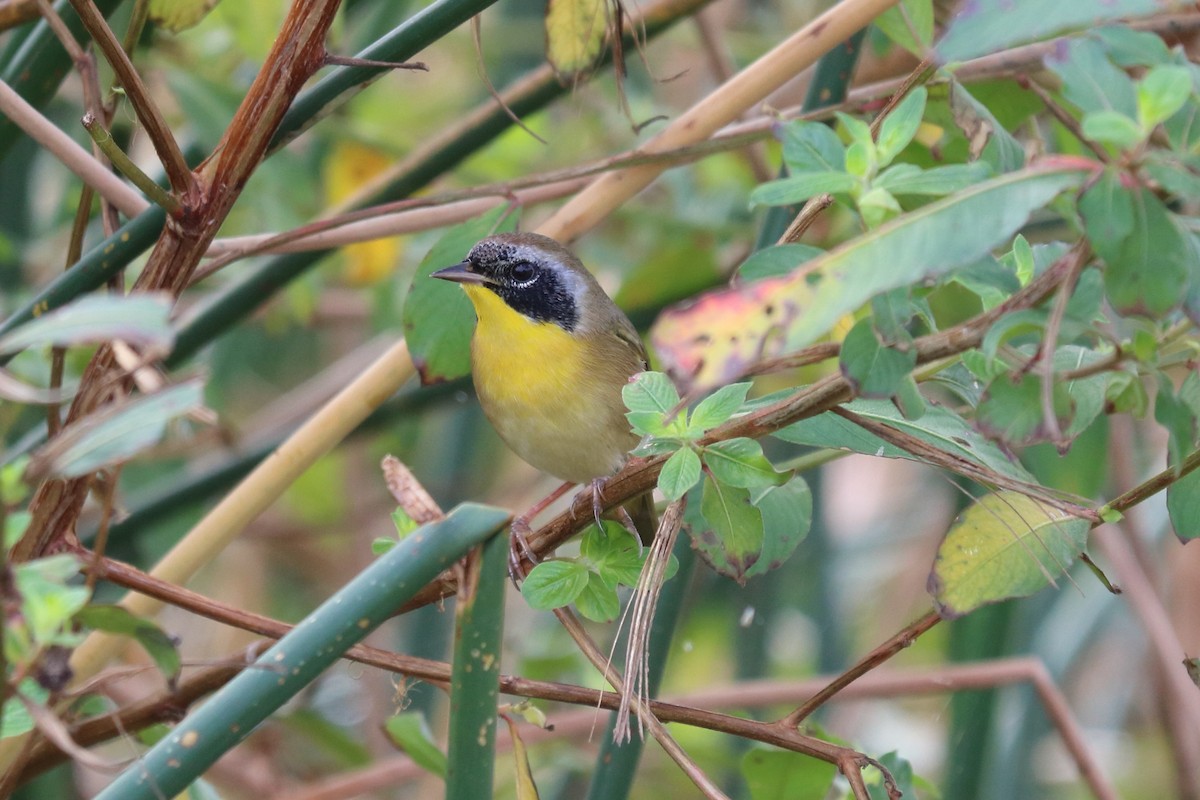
[[732, 538], [1006, 545], [787, 516]]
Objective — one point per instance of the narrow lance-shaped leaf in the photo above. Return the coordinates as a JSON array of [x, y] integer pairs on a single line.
[[716, 337], [988, 26], [137, 319], [1006, 545], [409, 731], [114, 435]]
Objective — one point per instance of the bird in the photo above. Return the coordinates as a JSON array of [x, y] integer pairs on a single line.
[[550, 355]]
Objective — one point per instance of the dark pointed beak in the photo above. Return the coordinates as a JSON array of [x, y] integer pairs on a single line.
[[460, 273]]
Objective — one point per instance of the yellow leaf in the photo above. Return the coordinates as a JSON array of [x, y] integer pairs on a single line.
[[352, 165], [526, 788], [179, 15], [575, 31]]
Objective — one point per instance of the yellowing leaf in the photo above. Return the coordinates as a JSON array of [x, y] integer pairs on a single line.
[[351, 166], [1006, 545], [526, 788], [575, 31], [179, 15]]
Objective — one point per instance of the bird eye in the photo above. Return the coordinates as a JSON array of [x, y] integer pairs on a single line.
[[523, 272]]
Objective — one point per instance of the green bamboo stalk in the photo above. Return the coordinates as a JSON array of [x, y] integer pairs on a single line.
[[475, 676], [298, 658], [36, 63], [233, 302], [617, 763]]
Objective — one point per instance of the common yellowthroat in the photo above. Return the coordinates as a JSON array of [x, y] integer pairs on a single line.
[[549, 356]]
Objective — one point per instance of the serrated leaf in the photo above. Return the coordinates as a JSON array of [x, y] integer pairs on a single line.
[[598, 601], [812, 147], [740, 462], [780, 259], [732, 538], [900, 126], [680, 473], [116, 434], [800, 187], [1161, 92], [615, 553], [153, 639], [1006, 545], [554, 584], [787, 517], [716, 336], [718, 407], [409, 732], [939, 427], [438, 318], [575, 33], [875, 371], [140, 319]]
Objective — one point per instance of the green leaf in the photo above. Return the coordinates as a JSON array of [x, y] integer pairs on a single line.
[[777, 260], [798, 188], [1174, 176], [157, 644], [1107, 211], [680, 473], [740, 462], [901, 771], [909, 24], [875, 371], [812, 147], [1112, 127], [932, 182], [939, 427], [987, 139], [598, 601], [409, 732], [733, 538], [614, 552], [140, 319], [438, 317], [650, 397], [15, 525], [1011, 410], [988, 26], [1147, 270], [1129, 48], [16, 717], [1162, 92], [774, 774], [712, 338], [1090, 80], [554, 584], [787, 517], [403, 522], [718, 407], [48, 601], [1183, 506], [116, 434], [1006, 545], [900, 126], [1178, 416], [877, 206]]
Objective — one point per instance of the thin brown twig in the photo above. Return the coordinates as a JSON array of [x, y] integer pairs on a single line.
[[1065, 119], [180, 177], [909, 634]]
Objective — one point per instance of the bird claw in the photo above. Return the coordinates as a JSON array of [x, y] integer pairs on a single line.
[[519, 550]]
